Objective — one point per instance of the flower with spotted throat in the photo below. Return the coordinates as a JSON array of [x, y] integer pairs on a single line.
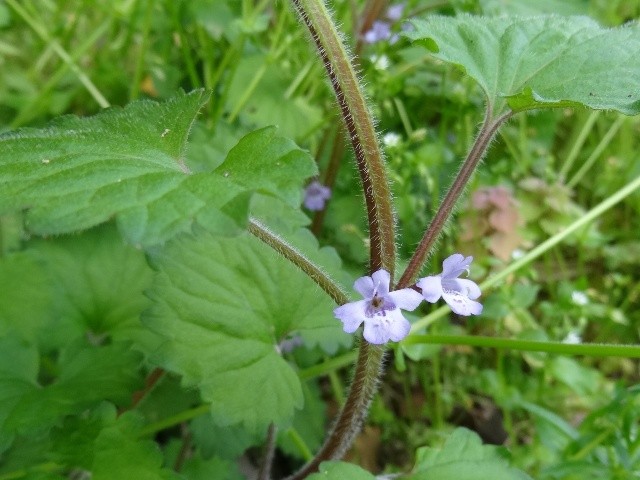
[[379, 310], [459, 293]]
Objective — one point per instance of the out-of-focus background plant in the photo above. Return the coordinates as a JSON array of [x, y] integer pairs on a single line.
[[561, 417]]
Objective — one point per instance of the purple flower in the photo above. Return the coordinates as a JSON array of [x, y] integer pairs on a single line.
[[459, 293], [316, 195], [379, 31], [394, 12], [380, 309]]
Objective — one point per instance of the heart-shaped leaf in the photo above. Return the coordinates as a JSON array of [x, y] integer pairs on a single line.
[[525, 63], [223, 306]]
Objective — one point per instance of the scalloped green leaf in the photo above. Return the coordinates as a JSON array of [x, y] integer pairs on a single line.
[[524, 63], [463, 456], [223, 305], [130, 163]]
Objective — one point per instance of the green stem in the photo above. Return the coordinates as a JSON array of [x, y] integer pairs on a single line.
[[61, 52], [591, 215], [299, 260], [139, 68], [300, 444], [28, 110], [586, 349], [577, 145], [359, 125], [479, 148], [592, 445], [189, 62], [169, 422], [347, 425], [328, 366], [604, 143]]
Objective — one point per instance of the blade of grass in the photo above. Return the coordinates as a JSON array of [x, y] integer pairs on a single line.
[[42, 32]]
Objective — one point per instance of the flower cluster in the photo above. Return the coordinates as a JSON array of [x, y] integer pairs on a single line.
[[380, 309]]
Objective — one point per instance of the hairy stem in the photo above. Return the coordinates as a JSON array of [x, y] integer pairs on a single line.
[[321, 278], [347, 425], [359, 125], [479, 148]]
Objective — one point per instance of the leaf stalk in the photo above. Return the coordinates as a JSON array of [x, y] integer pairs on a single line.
[[477, 152], [296, 257]]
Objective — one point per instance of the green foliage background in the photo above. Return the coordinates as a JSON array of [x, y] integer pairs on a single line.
[[122, 252]]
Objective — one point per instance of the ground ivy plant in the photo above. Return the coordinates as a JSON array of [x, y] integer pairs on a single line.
[[232, 279]]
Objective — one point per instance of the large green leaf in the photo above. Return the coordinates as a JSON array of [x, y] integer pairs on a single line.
[[223, 305], [463, 456], [525, 63], [130, 163]]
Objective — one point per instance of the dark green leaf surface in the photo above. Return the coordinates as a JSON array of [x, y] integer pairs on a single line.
[[98, 282], [120, 454], [223, 306], [18, 372], [525, 63], [88, 375], [197, 468], [26, 298], [130, 163], [463, 456]]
